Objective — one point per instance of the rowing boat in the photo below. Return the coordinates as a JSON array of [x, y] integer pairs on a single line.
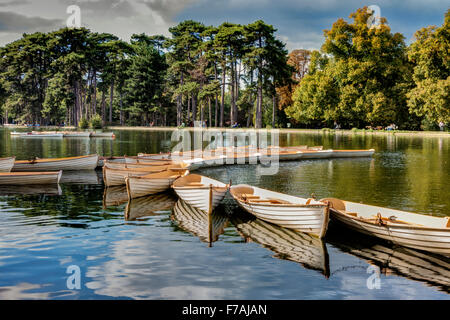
[[207, 227], [6, 164], [114, 196], [152, 183], [71, 163], [149, 206], [154, 162], [116, 177], [306, 215], [417, 231], [316, 154], [76, 134], [29, 178], [352, 153], [41, 135], [287, 244], [102, 134], [200, 192], [102, 160]]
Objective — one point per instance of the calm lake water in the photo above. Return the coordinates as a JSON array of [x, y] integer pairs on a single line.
[[158, 247]]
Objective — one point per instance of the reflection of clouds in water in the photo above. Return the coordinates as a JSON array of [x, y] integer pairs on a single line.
[[19, 291]]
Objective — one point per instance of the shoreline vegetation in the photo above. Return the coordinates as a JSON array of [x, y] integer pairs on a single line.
[[445, 134], [231, 75]]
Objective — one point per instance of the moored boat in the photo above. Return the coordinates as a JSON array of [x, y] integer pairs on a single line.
[[76, 134], [352, 153], [306, 215], [71, 163], [116, 177], [41, 135], [200, 192], [103, 135], [152, 183], [29, 178], [6, 164], [417, 231]]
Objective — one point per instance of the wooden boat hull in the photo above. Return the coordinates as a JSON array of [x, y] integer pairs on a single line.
[[319, 154], [352, 153], [205, 197], [140, 186], [102, 134], [310, 218], [76, 134], [427, 238], [74, 163], [116, 177], [6, 164], [30, 178]]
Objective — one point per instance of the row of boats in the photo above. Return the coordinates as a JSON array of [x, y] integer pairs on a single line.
[[285, 243], [148, 174], [63, 134]]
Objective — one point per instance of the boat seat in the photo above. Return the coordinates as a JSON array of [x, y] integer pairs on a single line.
[[249, 196], [195, 184], [353, 214], [272, 201], [280, 201]]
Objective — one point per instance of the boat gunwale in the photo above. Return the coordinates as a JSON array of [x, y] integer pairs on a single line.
[[54, 159]]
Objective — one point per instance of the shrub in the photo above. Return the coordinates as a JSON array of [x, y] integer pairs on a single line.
[[96, 122], [83, 124]]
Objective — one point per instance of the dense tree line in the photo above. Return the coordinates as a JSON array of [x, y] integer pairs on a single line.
[[229, 74]]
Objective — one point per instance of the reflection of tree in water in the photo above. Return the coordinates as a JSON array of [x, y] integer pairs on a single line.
[[76, 202]]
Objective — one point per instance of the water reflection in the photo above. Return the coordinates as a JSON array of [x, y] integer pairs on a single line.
[[114, 196], [208, 227], [51, 190], [432, 269], [149, 206], [287, 244]]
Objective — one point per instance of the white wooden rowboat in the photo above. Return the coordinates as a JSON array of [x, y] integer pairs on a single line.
[[149, 206], [151, 183], [306, 215], [103, 160], [287, 244], [128, 165], [200, 192], [116, 177], [29, 178], [76, 134], [41, 135], [418, 231], [208, 227], [102, 134], [72, 163], [352, 153], [6, 164], [316, 154]]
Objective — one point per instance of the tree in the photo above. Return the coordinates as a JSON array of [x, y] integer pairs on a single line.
[[430, 98], [363, 70]]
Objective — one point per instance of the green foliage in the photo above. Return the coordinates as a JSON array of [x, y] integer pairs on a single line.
[[83, 124], [96, 122], [430, 98]]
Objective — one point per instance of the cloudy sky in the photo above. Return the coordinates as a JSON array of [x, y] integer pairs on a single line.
[[300, 23]]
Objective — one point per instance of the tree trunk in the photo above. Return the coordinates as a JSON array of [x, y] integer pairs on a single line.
[[222, 105], [188, 110], [103, 107], [216, 106], [274, 105], [194, 107], [94, 101], [209, 112], [111, 98]]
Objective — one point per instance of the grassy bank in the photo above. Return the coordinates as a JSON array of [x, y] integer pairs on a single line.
[[282, 130]]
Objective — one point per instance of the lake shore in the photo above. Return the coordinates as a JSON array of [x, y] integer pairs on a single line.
[[445, 134]]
